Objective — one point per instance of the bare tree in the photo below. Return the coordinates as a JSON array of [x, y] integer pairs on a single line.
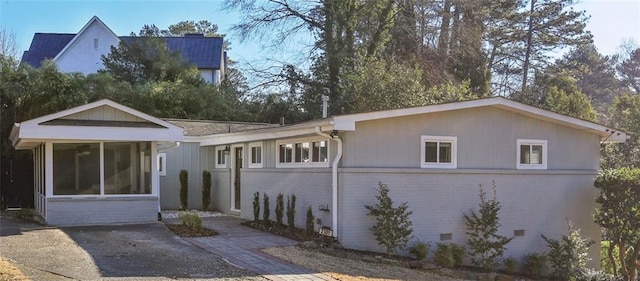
[[8, 43]]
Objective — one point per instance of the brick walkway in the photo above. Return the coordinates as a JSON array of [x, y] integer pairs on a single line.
[[241, 246]]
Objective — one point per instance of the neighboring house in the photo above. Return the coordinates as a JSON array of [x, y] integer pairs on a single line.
[[434, 157], [82, 52], [95, 163]]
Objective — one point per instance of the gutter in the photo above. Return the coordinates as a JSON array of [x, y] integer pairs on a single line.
[[171, 146], [334, 181]]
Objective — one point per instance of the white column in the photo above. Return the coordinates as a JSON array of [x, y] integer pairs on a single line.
[[48, 169]]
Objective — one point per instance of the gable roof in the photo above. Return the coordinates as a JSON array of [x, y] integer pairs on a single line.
[[205, 52], [348, 122], [45, 46], [70, 125], [93, 20]]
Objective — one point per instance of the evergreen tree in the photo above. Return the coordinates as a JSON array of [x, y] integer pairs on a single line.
[[392, 228]]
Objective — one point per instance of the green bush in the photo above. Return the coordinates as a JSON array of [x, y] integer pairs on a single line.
[[420, 250], [191, 220], [267, 211], [291, 211], [393, 227], [534, 265], [458, 252], [256, 206], [206, 190], [184, 189], [444, 255], [279, 209], [510, 265], [569, 254], [486, 247], [310, 221]]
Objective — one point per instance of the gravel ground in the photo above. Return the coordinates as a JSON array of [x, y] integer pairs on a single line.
[[173, 214], [126, 252]]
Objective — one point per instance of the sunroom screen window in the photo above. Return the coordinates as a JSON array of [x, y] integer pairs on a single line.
[[122, 168], [76, 168]]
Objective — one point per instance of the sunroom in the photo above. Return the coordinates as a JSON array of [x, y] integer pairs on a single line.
[[96, 163]]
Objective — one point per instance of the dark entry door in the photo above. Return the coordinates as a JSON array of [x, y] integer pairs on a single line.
[[236, 175]]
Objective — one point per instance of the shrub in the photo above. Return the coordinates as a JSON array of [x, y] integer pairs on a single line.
[[279, 209], [444, 255], [267, 211], [310, 221], [510, 265], [206, 189], [393, 227], [191, 220], [291, 211], [256, 206], [608, 253], [569, 254], [485, 245], [458, 253], [184, 189], [534, 265], [420, 250]]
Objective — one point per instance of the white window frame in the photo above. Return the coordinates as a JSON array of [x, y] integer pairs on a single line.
[[162, 164], [251, 146], [454, 152], [226, 157], [303, 164], [531, 142]]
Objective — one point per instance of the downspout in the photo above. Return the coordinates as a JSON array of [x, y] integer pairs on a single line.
[[334, 181]]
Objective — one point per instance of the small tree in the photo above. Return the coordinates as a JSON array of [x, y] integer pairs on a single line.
[[184, 189], [206, 190], [619, 215], [569, 254], [256, 206], [267, 211], [393, 227], [310, 221], [279, 209], [486, 247], [291, 211]]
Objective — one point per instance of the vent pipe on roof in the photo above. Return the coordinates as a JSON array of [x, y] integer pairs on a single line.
[[325, 99]]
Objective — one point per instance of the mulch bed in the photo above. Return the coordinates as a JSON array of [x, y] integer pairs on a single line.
[[293, 234], [185, 231]]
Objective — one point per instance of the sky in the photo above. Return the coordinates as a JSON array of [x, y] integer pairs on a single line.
[[611, 22]]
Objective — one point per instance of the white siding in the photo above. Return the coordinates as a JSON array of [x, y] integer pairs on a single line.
[[82, 56]]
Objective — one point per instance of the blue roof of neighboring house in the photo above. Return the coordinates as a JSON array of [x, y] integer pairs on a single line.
[[45, 46], [205, 52]]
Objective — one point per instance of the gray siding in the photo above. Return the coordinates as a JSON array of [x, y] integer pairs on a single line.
[[187, 156], [537, 202], [100, 211], [311, 186], [221, 190], [487, 139]]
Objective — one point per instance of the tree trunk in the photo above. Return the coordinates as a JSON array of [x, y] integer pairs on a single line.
[[612, 261], [525, 66], [443, 39]]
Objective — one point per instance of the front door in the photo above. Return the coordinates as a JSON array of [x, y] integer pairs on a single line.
[[237, 167]]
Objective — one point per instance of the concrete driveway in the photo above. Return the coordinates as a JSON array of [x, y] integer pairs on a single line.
[[125, 252]]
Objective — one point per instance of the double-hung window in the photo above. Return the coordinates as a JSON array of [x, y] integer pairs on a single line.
[[438, 152], [532, 154], [303, 153], [255, 155]]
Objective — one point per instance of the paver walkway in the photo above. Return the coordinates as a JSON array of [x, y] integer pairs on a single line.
[[241, 246]]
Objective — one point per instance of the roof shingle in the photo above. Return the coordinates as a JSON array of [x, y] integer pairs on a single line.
[[196, 128]]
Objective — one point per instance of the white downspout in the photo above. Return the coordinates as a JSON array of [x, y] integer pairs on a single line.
[[334, 181], [157, 175]]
